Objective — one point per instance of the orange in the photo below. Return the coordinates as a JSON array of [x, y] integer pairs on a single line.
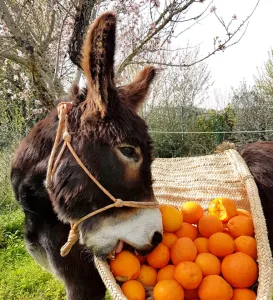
[[147, 275], [192, 212], [227, 232], [168, 290], [188, 274], [191, 294], [247, 245], [208, 263], [243, 212], [220, 244], [239, 270], [243, 294], [183, 249], [202, 245], [133, 290], [241, 225], [214, 287], [141, 259], [125, 266], [171, 218], [223, 208], [165, 273], [208, 225], [169, 239], [187, 230], [159, 257]]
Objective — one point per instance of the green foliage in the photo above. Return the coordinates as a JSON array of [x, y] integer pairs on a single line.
[[188, 119], [11, 228], [7, 202], [215, 124], [18, 109], [265, 79], [253, 112]]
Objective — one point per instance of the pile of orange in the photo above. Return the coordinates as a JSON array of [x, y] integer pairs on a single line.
[[202, 256]]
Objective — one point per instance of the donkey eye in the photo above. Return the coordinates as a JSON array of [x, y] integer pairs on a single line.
[[128, 151]]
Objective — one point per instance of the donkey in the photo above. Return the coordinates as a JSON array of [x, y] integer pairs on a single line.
[[113, 143], [259, 158]]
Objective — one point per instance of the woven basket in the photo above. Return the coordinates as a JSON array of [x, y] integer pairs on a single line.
[[202, 179]]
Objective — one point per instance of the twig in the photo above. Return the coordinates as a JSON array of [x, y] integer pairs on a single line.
[[68, 11], [50, 30], [221, 47], [58, 48], [14, 58], [152, 34]]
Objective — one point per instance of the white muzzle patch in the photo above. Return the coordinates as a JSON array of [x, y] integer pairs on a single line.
[[136, 229]]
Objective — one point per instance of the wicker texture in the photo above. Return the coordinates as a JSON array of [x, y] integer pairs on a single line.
[[202, 179]]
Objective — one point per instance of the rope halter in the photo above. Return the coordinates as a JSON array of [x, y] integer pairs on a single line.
[[62, 131]]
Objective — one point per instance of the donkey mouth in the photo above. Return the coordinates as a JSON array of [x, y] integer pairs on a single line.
[[121, 245]]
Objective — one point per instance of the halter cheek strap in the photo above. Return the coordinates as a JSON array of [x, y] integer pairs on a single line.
[[62, 131]]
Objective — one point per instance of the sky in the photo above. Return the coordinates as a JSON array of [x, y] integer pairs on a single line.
[[240, 61]]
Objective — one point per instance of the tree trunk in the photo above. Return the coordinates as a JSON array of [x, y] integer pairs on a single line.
[[82, 22]]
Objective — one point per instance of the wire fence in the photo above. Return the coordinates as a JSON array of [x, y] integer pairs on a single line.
[[183, 144], [166, 143]]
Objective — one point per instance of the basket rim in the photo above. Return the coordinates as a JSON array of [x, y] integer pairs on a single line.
[[237, 163]]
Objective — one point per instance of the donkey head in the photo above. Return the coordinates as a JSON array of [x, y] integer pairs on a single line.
[[113, 143]]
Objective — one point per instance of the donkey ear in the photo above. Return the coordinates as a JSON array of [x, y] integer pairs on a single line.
[[136, 91], [98, 61]]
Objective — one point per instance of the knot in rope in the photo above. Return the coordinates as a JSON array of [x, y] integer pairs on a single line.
[[73, 236], [67, 137], [64, 108], [119, 203]]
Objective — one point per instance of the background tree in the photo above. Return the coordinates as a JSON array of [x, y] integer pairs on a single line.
[[46, 36], [264, 80], [173, 102], [253, 112]]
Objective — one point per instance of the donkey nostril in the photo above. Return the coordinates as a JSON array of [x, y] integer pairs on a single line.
[[157, 238]]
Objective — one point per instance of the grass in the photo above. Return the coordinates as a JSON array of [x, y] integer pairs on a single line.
[[20, 276]]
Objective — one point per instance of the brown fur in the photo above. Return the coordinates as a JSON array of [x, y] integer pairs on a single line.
[[259, 158], [137, 90], [102, 117], [132, 167], [98, 59]]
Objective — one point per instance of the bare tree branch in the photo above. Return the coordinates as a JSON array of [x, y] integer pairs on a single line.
[[68, 11], [172, 13], [82, 21], [50, 31], [221, 47], [6, 37], [58, 48], [26, 43], [14, 58]]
